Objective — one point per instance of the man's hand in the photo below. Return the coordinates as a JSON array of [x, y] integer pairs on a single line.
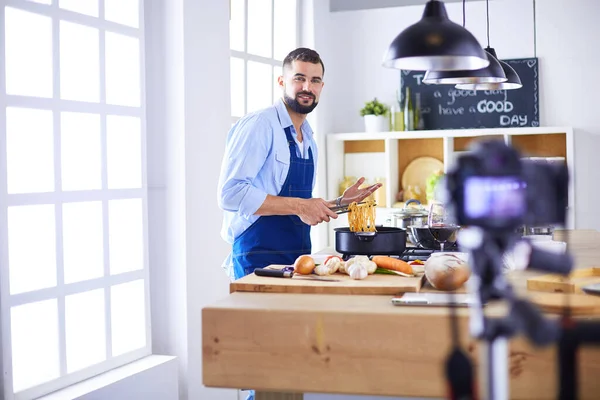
[[354, 194], [315, 211]]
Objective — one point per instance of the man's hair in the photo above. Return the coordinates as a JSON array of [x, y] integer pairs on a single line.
[[303, 54]]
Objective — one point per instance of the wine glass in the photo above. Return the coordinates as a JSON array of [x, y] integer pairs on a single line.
[[437, 221]]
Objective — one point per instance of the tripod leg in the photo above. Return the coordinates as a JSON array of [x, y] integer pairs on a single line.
[[495, 369], [567, 367]]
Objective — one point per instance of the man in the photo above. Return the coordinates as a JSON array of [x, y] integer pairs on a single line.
[[269, 171]]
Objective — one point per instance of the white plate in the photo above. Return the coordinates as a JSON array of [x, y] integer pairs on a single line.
[[418, 170]]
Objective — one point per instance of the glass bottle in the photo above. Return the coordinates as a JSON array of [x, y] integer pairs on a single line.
[[409, 116], [399, 118], [396, 118], [419, 123]]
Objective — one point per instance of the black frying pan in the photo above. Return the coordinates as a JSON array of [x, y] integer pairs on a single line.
[[386, 241]]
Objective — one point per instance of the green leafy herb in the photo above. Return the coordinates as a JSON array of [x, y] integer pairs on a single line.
[[374, 108]]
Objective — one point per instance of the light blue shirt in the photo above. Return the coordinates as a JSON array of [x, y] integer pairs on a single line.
[[256, 163]]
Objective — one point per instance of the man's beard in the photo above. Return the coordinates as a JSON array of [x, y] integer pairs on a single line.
[[296, 106]]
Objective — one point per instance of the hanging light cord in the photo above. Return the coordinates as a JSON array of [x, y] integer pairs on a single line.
[[487, 11], [464, 1], [534, 32]]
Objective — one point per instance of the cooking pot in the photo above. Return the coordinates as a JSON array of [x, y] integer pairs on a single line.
[[409, 216], [424, 238], [386, 241]]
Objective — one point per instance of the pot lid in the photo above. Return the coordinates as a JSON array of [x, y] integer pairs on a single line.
[[407, 211]]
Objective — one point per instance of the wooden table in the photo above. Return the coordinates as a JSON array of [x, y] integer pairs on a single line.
[[361, 344]]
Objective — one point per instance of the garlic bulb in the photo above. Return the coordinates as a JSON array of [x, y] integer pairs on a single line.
[[371, 267], [322, 269], [357, 271], [364, 261], [334, 264]]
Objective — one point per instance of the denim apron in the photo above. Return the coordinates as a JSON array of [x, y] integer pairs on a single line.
[[278, 239]]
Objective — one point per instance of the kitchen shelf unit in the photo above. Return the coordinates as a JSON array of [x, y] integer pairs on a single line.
[[400, 148]]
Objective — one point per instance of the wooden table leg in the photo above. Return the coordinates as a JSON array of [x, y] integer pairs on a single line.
[[278, 396]]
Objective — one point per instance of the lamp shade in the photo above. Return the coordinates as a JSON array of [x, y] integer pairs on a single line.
[[435, 43], [493, 73], [512, 80]]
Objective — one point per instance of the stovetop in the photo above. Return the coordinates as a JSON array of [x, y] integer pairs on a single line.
[[411, 253]]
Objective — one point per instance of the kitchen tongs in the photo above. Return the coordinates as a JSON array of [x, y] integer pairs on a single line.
[[344, 209]]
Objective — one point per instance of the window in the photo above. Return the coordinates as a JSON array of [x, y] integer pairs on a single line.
[[73, 193], [262, 33]]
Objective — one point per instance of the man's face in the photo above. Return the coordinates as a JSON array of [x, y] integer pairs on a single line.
[[302, 83]]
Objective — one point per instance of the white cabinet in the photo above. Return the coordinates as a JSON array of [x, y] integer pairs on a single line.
[[395, 150]]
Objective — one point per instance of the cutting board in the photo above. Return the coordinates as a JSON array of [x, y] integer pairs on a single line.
[[372, 284], [579, 304], [560, 284]]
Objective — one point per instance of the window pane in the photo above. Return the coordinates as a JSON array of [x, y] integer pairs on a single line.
[[87, 7], [128, 317], [79, 62], [122, 70], [277, 91], [28, 53], [83, 250], [237, 87], [126, 244], [34, 336], [259, 27], [31, 227], [237, 25], [126, 12], [30, 150], [81, 165], [124, 152], [259, 85], [85, 330], [285, 28]]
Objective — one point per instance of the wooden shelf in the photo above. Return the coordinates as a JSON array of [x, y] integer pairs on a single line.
[[410, 149], [364, 146], [552, 145], [463, 143], [397, 149]]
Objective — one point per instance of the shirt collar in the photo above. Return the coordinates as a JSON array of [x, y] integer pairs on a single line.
[[285, 120]]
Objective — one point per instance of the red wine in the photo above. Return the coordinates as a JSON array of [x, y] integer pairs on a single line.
[[442, 233]]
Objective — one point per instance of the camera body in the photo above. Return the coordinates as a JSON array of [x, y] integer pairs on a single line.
[[494, 189]]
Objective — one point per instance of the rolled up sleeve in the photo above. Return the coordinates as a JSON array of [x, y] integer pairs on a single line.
[[247, 149]]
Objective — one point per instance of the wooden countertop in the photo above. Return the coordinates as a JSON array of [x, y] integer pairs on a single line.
[[361, 344]]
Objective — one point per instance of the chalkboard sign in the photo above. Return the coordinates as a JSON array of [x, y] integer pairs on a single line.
[[445, 107]]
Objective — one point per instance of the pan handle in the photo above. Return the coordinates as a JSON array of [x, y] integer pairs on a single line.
[[365, 236]]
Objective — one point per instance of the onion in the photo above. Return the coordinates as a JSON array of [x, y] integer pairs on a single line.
[[304, 265], [447, 271]]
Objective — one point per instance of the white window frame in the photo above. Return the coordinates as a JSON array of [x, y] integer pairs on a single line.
[[245, 56], [56, 105]]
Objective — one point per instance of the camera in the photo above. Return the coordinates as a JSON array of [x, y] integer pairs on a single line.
[[493, 188]]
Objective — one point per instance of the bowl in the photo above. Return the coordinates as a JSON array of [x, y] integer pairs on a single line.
[[424, 238]]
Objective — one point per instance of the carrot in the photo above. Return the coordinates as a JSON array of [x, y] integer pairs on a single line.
[[393, 264]]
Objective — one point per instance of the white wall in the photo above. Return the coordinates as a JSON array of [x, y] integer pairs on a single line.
[[188, 119], [566, 35]]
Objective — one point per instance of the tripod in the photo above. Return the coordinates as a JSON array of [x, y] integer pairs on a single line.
[[488, 284]]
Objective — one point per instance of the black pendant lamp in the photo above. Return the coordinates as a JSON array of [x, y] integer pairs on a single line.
[[435, 43], [512, 79], [493, 73]]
